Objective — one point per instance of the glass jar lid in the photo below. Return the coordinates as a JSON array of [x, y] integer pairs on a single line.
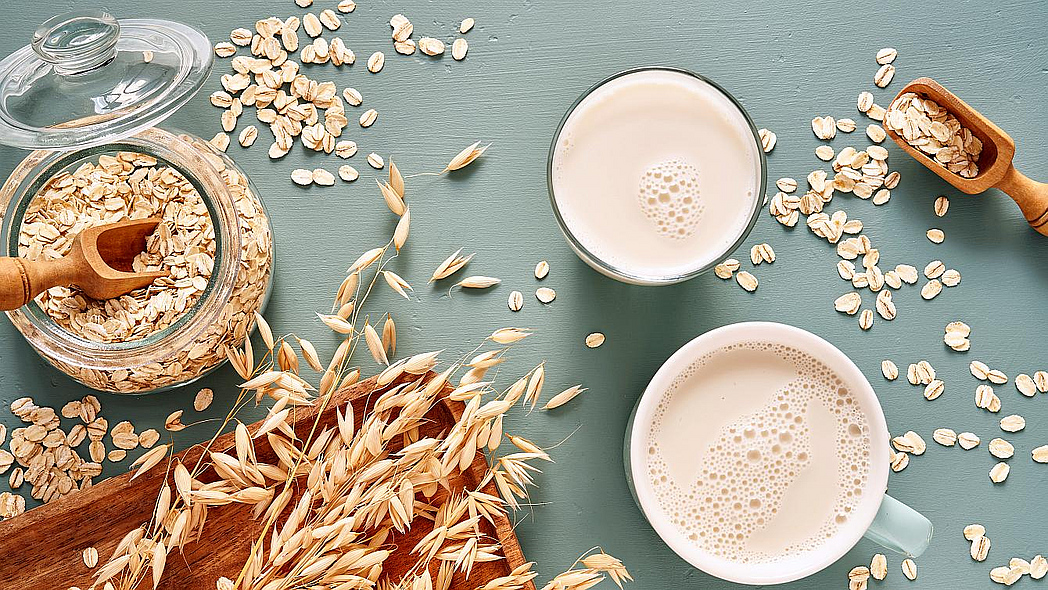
[[88, 79]]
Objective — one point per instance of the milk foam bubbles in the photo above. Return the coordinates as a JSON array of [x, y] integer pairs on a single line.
[[656, 173], [758, 452], [669, 196]]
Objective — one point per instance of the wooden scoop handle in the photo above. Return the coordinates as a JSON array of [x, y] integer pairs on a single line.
[[1032, 197], [22, 280]]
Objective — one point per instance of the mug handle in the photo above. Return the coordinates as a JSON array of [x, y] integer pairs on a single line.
[[900, 528]]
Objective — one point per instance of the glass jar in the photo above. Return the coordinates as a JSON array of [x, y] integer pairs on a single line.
[[197, 341], [117, 80]]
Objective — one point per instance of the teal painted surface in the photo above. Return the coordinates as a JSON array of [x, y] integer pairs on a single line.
[[786, 62]]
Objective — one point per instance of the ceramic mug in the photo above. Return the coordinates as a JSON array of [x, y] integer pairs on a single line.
[[878, 517]]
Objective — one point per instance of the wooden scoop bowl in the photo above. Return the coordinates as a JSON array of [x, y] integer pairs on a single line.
[[995, 162], [99, 263]]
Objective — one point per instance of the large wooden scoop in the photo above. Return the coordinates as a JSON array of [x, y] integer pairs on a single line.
[[99, 263], [995, 162]]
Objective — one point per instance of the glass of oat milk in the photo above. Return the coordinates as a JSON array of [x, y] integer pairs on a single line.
[[655, 175]]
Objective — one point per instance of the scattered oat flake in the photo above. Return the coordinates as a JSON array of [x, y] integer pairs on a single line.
[[1001, 448], [376, 61], [348, 173], [890, 370], [945, 437], [999, 473], [747, 281], [594, 340], [1013, 423], [467, 24], [459, 49], [545, 294], [516, 301], [968, 440], [884, 75], [376, 161], [942, 205], [90, 556], [886, 55], [302, 177], [541, 269], [909, 569], [879, 566], [824, 153], [974, 531], [786, 184], [1040, 454], [768, 140], [936, 235]]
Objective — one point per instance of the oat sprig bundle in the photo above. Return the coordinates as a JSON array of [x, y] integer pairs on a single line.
[[356, 487]]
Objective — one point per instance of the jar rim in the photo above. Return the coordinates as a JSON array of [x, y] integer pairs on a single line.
[[172, 150]]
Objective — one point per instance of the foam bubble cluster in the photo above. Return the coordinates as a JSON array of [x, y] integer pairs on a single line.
[[669, 197], [754, 460]]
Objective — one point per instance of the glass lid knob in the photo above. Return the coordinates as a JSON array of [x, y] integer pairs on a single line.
[[77, 42]]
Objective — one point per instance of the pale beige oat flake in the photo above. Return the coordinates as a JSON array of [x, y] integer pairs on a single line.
[[999, 473], [884, 75], [824, 153], [545, 294], [1001, 448], [786, 184], [889, 370], [945, 437], [968, 440], [875, 133], [541, 269], [1024, 383], [431, 46], [1040, 454], [909, 569], [516, 301], [934, 389], [594, 340], [886, 55], [931, 289], [879, 566], [348, 173], [90, 557], [376, 61], [467, 24], [866, 319], [459, 49], [936, 235], [203, 399], [768, 139], [1013, 423], [942, 205], [974, 531], [376, 161], [1040, 378], [302, 177], [747, 281], [323, 177]]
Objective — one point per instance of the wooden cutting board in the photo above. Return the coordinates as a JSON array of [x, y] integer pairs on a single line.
[[42, 547]]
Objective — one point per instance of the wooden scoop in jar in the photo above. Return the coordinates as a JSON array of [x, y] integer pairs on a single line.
[[995, 162], [99, 263]]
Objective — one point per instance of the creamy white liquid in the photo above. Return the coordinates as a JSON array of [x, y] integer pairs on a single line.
[[656, 173], [758, 452]]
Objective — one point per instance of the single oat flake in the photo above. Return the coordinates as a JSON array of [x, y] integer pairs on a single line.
[[545, 294], [768, 139], [516, 301], [594, 340]]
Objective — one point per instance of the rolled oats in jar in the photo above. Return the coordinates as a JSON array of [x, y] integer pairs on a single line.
[[99, 160]]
